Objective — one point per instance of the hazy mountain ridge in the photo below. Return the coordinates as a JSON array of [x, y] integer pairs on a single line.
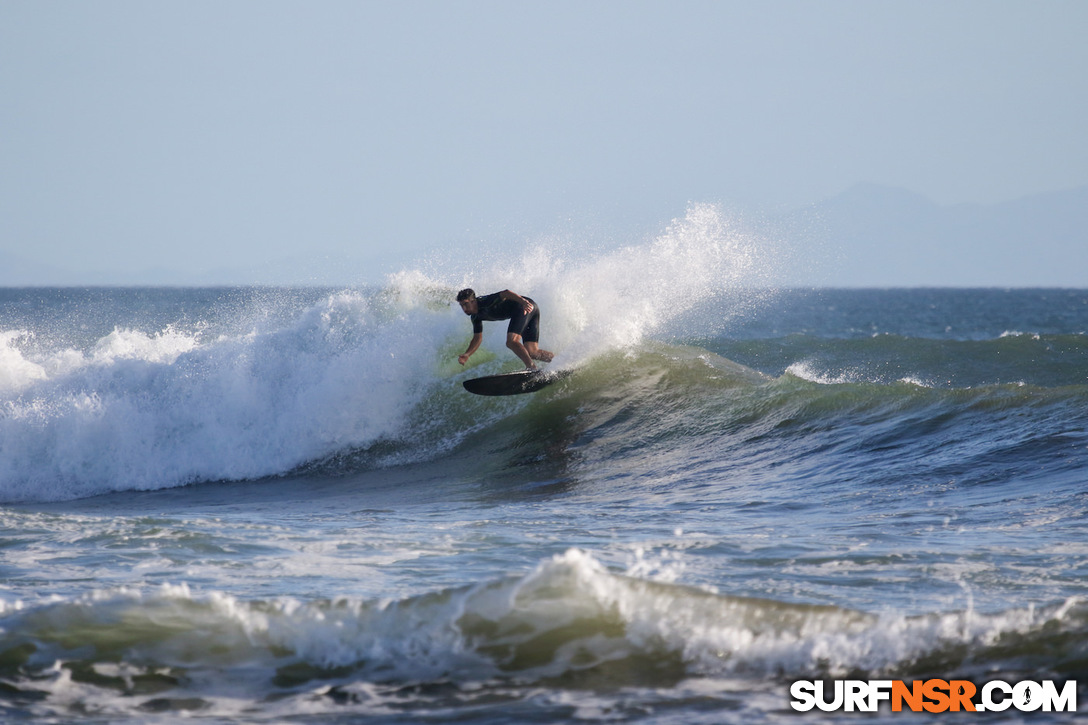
[[868, 236], [880, 236]]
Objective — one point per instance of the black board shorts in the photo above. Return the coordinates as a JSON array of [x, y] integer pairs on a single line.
[[526, 325]]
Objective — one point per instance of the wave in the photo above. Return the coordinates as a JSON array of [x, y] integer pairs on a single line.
[[282, 382], [333, 394], [338, 392], [145, 410], [570, 625], [1045, 360], [357, 370]]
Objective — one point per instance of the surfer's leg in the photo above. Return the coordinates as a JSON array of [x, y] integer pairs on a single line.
[[513, 341], [532, 334], [536, 353]]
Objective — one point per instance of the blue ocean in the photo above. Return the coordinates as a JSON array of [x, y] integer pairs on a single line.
[[279, 505]]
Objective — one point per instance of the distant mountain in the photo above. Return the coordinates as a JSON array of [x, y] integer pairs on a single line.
[[868, 236], [880, 236]]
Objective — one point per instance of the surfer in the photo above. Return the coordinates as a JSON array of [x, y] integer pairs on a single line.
[[523, 333]]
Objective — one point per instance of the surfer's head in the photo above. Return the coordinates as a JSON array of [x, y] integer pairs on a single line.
[[467, 299]]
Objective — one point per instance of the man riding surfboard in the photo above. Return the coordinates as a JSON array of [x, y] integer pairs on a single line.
[[523, 333]]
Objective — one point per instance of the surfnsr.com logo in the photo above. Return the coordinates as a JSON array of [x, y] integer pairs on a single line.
[[933, 695]]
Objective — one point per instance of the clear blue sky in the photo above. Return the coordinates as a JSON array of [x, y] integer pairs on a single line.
[[197, 135]]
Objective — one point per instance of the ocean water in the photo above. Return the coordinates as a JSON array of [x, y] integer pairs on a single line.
[[278, 505]]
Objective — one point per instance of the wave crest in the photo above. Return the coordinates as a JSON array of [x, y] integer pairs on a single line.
[[571, 622]]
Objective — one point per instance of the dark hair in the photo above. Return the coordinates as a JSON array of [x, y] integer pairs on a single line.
[[465, 294]]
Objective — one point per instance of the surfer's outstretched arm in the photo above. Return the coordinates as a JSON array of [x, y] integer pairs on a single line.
[[473, 346]]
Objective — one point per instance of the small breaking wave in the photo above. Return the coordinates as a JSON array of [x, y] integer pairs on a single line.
[[570, 625]]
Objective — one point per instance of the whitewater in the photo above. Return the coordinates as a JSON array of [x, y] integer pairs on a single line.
[[279, 505]]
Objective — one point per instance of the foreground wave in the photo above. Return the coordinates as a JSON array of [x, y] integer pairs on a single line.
[[570, 632]]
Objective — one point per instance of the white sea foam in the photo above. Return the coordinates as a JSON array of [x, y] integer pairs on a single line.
[[143, 411], [595, 301], [1017, 333], [16, 370], [807, 371]]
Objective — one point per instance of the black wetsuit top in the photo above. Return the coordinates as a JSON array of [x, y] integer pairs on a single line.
[[493, 307]]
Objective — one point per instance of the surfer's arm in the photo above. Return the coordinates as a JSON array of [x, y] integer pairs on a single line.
[[473, 346]]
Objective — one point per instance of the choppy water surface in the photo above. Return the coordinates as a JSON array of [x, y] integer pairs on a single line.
[[245, 505]]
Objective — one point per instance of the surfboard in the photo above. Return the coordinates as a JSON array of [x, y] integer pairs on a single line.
[[523, 381]]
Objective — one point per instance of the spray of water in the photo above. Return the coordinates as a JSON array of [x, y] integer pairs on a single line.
[[599, 301]]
